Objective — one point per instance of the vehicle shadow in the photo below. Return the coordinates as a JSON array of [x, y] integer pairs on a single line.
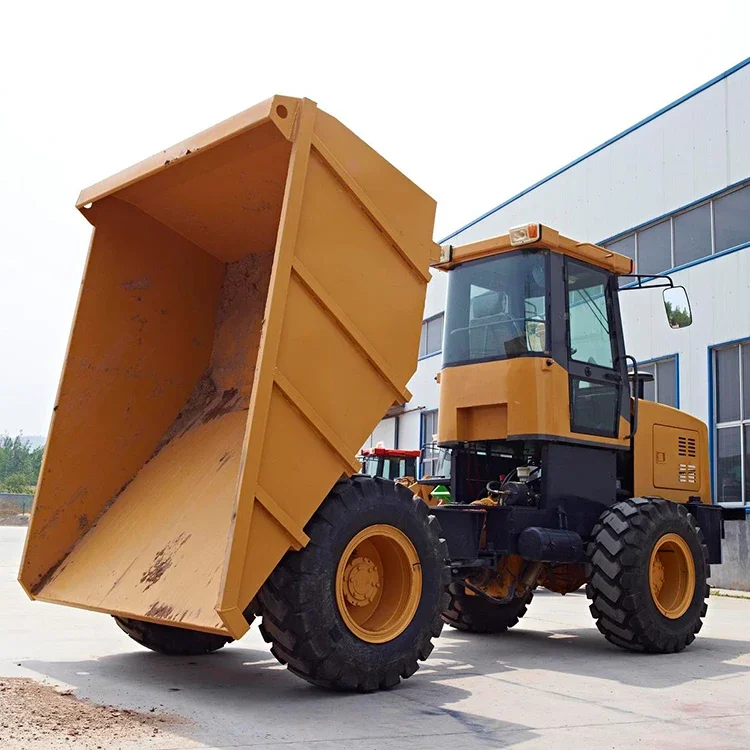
[[586, 653], [241, 696]]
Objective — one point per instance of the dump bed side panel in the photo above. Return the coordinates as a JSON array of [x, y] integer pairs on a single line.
[[347, 297]]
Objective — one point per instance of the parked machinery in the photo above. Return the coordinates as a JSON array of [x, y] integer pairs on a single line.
[[389, 463]]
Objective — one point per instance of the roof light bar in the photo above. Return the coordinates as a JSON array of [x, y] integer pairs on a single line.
[[525, 234]]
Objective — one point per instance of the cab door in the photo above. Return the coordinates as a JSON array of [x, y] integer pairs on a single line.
[[595, 362]]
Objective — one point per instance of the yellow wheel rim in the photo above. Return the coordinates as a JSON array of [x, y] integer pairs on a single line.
[[378, 583], [671, 576]]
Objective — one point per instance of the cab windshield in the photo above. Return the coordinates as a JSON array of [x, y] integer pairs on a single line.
[[497, 308]]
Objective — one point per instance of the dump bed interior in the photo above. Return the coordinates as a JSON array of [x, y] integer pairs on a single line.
[[251, 306]]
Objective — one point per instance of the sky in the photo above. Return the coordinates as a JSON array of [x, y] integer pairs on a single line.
[[474, 101]]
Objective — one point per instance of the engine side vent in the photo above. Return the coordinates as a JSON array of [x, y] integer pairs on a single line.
[[686, 446], [675, 459], [687, 473]]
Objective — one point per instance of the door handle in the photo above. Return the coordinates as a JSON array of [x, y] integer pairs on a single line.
[[613, 376]]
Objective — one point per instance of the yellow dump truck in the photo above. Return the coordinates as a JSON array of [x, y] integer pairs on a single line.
[[251, 306]]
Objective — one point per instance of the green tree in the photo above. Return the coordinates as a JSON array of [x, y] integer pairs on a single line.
[[678, 317], [17, 483], [18, 460]]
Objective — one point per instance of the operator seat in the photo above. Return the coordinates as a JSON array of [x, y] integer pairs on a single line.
[[492, 330]]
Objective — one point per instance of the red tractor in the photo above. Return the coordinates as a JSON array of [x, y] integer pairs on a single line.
[[389, 463]]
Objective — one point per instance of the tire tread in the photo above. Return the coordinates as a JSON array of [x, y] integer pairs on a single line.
[[298, 637], [624, 615]]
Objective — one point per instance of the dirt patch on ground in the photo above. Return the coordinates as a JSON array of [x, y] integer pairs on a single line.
[[19, 519], [14, 507], [34, 716]]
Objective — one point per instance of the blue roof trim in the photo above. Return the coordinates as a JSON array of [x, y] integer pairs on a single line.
[[604, 145]]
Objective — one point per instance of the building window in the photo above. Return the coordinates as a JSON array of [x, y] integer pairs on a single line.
[[732, 219], [624, 246], [664, 387], [655, 248], [430, 455], [692, 234], [731, 399], [717, 224], [431, 341]]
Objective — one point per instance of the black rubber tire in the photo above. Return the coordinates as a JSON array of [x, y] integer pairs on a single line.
[[618, 575], [474, 614], [298, 601], [172, 641]]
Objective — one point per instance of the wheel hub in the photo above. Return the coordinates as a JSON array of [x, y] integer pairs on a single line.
[[378, 583], [671, 575], [657, 577], [361, 581]]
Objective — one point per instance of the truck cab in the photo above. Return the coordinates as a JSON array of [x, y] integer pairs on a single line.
[[535, 362]]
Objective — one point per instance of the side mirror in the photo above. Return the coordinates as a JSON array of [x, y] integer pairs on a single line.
[[677, 306]]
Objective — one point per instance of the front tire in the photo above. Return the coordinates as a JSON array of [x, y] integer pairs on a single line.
[[648, 572], [358, 607]]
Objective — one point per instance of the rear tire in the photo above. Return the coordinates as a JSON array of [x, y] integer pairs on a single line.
[[474, 614], [312, 631], [648, 567], [169, 640]]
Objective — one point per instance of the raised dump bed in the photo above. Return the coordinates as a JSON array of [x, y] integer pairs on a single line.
[[250, 308]]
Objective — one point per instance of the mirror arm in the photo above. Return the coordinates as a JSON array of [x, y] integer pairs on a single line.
[[643, 278]]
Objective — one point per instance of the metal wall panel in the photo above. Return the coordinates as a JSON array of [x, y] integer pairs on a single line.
[[738, 124]]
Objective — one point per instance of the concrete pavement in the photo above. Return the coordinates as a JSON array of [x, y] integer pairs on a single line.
[[553, 682]]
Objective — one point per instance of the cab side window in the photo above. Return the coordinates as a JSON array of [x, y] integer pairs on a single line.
[[589, 334], [594, 389]]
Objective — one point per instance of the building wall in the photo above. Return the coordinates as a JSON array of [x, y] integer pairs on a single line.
[[422, 386], [384, 433], [689, 151], [734, 572]]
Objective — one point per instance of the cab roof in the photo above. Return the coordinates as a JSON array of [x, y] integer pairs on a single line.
[[541, 237]]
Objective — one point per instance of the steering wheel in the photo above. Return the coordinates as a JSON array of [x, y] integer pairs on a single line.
[[494, 487]]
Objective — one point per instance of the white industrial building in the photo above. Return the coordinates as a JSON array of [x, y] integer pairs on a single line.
[[672, 192]]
